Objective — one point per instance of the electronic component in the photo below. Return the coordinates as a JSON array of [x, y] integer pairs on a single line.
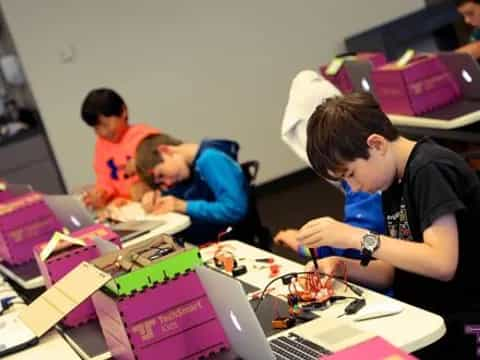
[[354, 306], [287, 279], [283, 323], [274, 270], [306, 316], [239, 270]]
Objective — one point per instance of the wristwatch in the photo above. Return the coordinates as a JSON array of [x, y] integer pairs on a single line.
[[370, 243]]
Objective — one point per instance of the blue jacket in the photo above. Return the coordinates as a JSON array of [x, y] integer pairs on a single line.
[[216, 192]]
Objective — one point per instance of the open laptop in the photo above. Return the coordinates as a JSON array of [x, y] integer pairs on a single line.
[[74, 216], [465, 70], [308, 341], [360, 75]]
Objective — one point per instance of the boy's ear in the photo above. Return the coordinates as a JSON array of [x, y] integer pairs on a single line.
[[377, 142], [164, 149], [124, 114]]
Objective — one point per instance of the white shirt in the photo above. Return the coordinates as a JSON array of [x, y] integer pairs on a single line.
[[308, 90]]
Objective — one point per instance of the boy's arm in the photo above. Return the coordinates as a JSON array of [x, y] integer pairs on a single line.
[[377, 275], [435, 257], [472, 49], [225, 178]]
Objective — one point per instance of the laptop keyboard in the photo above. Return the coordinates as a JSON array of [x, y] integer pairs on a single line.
[[294, 347]]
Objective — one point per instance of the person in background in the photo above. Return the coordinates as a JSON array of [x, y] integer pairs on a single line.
[[105, 111], [202, 180], [470, 10], [431, 203], [308, 90]]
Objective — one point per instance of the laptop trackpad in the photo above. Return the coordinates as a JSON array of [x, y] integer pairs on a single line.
[[338, 334]]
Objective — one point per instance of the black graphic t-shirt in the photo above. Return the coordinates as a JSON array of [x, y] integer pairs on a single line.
[[436, 182]]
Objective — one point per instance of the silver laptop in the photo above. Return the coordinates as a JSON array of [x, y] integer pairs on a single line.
[[466, 71], [311, 340], [74, 216]]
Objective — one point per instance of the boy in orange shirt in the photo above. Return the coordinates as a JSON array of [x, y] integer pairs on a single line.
[[114, 163]]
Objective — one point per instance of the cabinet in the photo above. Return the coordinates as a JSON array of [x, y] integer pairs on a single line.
[[27, 159]]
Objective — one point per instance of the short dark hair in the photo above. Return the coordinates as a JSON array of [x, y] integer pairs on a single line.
[[338, 130], [147, 155], [102, 101], [459, 3]]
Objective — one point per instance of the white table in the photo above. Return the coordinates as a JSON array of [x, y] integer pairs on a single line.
[[28, 275], [411, 330], [51, 343], [52, 346], [427, 122]]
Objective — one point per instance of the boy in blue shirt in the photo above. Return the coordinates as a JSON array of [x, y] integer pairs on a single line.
[[202, 180]]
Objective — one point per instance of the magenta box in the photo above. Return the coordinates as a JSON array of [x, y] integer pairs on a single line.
[[172, 320], [342, 79], [62, 262], [420, 86], [24, 222]]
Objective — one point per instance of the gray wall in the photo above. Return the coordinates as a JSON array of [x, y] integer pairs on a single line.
[[192, 68]]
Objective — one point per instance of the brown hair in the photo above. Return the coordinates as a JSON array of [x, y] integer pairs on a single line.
[[338, 130], [147, 155]]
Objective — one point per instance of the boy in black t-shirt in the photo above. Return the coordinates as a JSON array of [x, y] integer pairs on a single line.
[[431, 202]]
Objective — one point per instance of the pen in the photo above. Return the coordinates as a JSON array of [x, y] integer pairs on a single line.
[[265, 260]]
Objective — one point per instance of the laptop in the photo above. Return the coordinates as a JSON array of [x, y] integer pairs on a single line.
[[74, 216], [465, 70], [308, 341], [360, 75]]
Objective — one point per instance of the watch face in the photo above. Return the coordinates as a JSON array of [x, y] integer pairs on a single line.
[[370, 242]]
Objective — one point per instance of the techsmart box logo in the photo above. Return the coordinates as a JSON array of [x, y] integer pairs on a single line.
[[474, 330]]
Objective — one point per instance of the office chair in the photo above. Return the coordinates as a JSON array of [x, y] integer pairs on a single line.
[[251, 230]]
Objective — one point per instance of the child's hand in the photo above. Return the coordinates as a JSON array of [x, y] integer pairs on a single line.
[[150, 199], [138, 190], [326, 231], [326, 265], [169, 204], [287, 238], [96, 198]]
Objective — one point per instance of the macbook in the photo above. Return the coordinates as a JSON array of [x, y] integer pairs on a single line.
[[308, 341], [74, 216], [465, 70]]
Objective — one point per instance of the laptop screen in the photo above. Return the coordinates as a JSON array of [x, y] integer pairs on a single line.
[[70, 211]]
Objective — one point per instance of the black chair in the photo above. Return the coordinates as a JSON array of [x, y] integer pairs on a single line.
[[251, 230]]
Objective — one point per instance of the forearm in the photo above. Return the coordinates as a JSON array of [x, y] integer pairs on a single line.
[[472, 49], [378, 274], [411, 256]]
